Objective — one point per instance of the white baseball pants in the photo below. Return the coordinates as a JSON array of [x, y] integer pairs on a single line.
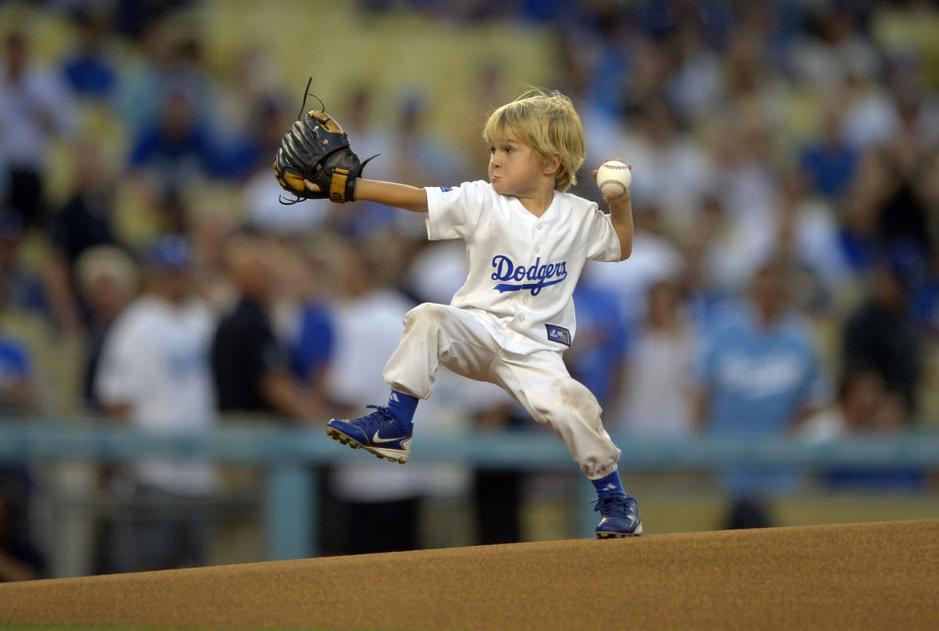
[[437, 335]]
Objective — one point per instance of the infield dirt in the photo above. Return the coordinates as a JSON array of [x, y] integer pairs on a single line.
[[855, 576]]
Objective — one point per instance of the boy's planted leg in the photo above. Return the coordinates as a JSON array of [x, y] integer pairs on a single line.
[[541, 383]]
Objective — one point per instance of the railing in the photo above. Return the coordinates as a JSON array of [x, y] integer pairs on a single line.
[[287, 454]]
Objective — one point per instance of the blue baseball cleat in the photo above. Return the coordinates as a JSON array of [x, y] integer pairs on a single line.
[[619, 517], [378, 432]]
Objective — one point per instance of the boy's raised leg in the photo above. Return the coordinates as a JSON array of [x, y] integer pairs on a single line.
[[386, 432]]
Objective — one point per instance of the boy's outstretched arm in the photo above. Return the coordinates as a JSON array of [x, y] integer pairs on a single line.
[[387, 193]]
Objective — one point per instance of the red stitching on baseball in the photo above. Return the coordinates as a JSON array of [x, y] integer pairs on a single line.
[[619, 184]]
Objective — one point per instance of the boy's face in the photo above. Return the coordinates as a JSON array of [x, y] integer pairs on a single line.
[[513, 167]]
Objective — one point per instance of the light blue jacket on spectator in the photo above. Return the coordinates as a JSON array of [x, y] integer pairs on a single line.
[[758, 381]]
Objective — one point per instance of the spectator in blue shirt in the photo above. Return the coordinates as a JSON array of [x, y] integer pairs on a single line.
[[21, 288], [312, 348], [759, 376], [926, 299], [16, 391], [88, 71], [599, 352], [829, 161], [178, 147]]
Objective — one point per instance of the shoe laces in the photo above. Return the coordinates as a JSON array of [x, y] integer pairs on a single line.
[[614, 506], [379, 416], [381, 410]]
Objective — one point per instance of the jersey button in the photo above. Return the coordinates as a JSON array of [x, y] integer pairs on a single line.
[[539, 226], [521, 318]]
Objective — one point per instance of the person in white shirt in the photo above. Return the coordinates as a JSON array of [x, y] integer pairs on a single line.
[[154, 375], [659, 390], [35, 108], [527, 241]]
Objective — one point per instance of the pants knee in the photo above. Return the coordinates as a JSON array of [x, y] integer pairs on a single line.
[[579, 401], [577, 422], [427, 314]]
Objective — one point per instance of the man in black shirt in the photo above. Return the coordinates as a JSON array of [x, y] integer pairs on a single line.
[[880, 335], [250, 367], [84, 222]]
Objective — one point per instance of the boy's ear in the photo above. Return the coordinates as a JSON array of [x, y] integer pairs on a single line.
[[551, 164]]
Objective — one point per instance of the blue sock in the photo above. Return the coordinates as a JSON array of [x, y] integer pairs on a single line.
[[609, 485], [402, 406]]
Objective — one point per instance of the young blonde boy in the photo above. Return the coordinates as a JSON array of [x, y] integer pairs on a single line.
[[527, 241]]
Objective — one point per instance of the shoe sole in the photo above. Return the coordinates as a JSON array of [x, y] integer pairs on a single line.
[[620, 535], [392, 455]]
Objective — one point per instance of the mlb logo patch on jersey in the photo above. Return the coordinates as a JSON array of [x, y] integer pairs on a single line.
[[446, 189], [559, 334]]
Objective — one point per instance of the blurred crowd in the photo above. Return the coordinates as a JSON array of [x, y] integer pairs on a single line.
[[784, 277]]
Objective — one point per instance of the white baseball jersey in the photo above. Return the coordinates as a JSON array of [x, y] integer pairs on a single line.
[[155, 360], [522, 268]]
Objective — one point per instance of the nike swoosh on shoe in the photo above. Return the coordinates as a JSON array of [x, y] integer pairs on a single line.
[[380, 441]]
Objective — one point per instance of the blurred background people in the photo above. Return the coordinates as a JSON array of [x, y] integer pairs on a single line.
[[863, 408], [759, 376], [880, 334], [107, 282], [22, 287], [154, 375], [17, 391], [598, 356], [20, 560], [250, 364], [313, 344], [803, 131], [253, 371], [177, 148], [91, 68], [659, 384], [85, 220], [35, 108]]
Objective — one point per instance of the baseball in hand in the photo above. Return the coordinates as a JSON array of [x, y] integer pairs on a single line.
[[613, 178]]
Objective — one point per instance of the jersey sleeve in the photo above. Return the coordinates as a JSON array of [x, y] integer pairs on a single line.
[[602, 241], [122, 374], [453, 212]]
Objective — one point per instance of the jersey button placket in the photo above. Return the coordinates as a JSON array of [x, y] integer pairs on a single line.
[[537, 250]]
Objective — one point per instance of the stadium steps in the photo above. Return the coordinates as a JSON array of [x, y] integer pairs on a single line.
[[856, 576]]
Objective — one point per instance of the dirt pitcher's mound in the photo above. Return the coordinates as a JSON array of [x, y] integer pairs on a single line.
[[858, 576]]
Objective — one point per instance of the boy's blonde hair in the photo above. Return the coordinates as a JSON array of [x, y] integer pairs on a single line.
[[546, 121]]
